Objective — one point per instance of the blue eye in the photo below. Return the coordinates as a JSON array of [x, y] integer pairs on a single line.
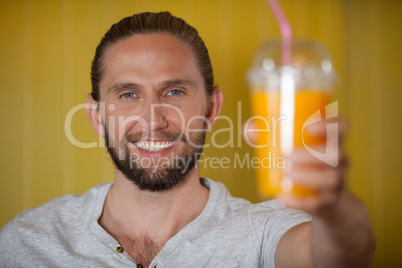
[[128, 95], [175, 92]]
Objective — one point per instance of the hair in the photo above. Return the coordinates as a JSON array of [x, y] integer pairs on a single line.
[[149, 23]]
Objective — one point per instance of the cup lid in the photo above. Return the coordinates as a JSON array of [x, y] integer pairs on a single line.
[[312, 66]]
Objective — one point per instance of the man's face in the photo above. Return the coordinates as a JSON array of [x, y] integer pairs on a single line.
[[154, 109]]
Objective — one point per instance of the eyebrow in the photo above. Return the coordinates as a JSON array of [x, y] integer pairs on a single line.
[[176, 82], [164, 84], [122, 86]]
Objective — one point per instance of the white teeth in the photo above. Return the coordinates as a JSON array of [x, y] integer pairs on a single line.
[[154, 146]]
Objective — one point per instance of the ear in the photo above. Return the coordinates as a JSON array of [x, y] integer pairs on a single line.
[[215, 106], [93, 114]]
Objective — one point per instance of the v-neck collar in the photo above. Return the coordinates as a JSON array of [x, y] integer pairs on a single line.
[[190, 230]]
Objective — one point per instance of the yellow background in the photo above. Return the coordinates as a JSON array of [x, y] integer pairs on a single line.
[[45, 52]]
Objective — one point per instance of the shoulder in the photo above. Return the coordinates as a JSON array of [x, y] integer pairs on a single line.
[[267, 211], [273, 216], [267, 221], [271, 221], [41, 236], [247, 232], [63, 213], [263, 219]]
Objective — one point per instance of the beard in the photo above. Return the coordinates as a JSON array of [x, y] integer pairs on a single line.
[[157, 176]]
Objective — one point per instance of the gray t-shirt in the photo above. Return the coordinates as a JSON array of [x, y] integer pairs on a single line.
[[229, 232]]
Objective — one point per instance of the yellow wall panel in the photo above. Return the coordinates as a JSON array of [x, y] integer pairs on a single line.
[[11, 95], [45, 52]]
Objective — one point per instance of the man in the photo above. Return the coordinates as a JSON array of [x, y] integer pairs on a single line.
[[153, 98]]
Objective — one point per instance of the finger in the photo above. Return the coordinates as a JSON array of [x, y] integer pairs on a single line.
[[311, 204], [301, 157], [321, 128], [322, 180]]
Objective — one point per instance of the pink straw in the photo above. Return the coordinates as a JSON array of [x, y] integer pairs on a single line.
[[286, 31], [287, 84]]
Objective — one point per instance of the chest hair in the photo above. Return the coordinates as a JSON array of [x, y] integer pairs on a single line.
[[142, 249]]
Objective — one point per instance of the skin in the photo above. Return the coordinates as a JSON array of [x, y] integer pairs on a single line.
[[340, 234], [146, 64], [150, 67]]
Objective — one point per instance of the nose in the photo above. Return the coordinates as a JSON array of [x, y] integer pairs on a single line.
[[156, 115]]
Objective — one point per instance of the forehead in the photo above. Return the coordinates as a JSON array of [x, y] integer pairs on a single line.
[[152, 42], [149, 57]]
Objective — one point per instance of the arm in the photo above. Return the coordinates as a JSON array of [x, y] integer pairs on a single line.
[[340, 234]]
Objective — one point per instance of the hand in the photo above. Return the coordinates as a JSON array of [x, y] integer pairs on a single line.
[[337, 213], [325, 176]]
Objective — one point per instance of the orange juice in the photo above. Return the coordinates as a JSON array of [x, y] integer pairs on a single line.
[[265, 107], [311, 68]]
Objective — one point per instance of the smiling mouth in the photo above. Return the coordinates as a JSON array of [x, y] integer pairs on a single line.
[[154, 146]]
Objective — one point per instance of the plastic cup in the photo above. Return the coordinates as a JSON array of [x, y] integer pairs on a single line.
[[314, 77]]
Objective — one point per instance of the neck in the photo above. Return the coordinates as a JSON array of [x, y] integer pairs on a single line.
[[131, 212]]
